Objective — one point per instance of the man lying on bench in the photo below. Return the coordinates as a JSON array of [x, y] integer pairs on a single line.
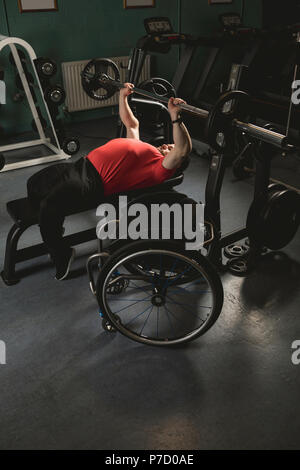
[[118, 166]]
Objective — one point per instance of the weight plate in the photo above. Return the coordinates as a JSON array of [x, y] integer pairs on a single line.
[[276, 187], [281, 219], [235, 251], [219, 124], [46, 68], [55, 94], [273, 219], [90, 79], [159, 87], [238, 266], [70, 146]]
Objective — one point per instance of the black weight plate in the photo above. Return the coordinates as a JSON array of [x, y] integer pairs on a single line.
[[281, 219], [254, 219], [158, 86], [90, 79], [276, 187], [238, 266], [235, 251], [55, 94], [273, 221], [219, 129], [46, 68], [70, 145]]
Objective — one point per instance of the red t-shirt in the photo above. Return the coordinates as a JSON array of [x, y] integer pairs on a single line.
[[126, 164]]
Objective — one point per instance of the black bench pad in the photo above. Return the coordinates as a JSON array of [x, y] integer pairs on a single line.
[[23, 213]]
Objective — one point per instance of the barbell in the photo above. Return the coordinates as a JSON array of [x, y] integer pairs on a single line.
[[101, 80]]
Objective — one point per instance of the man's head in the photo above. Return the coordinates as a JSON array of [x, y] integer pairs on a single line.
[[165, 149]]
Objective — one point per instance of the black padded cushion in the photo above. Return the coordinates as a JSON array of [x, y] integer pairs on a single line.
[[22, 212]]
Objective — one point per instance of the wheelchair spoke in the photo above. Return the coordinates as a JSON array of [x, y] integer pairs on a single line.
[[146, 320], [187, 310], [140, 314], [136, 302]]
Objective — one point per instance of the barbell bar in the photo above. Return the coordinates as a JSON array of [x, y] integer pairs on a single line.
[[228, 114]]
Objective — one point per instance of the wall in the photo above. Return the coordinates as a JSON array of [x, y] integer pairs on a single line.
[[79, 30], [201, 19], [99, 28]]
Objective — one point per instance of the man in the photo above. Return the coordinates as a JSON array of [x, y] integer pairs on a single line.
[[118, 166]]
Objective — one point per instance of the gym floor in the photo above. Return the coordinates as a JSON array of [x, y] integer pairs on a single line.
[[70, 385]]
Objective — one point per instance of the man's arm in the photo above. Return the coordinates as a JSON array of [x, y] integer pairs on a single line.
[[181, 136], [129, 120]]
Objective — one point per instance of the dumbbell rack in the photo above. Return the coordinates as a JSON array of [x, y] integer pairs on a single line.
[[57, 152]]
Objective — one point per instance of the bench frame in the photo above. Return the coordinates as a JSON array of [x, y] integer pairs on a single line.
[[13, 255]]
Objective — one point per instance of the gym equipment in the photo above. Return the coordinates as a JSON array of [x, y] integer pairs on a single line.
[[153, 117], [159, 306], [25, 216], [21, 55], [46, 68], [19, 62], [42, 120], [90, 78], [221, 121], [70, 145], [55, 94], [230, 21], [158, 86], [236, 250], [273, 219]]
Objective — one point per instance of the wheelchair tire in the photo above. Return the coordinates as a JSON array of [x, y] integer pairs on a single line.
[[165, 327]]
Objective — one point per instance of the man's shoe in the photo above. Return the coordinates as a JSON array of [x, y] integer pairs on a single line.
[[63, 265]]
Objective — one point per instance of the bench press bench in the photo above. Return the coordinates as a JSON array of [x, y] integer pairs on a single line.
[[25, 216]]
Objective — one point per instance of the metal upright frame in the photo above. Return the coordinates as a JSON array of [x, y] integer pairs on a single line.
[[57, 152]]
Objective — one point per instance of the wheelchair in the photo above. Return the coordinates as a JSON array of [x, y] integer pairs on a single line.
[[154, 291]]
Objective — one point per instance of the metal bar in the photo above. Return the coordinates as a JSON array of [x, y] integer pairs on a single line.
[[27, 91], [233, 237], [34, 162], [21, 145], [207, 69], [35, 251], [183, 66], [267, 136]]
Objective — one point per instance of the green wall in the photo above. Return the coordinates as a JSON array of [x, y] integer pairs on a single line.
[[100, 28]]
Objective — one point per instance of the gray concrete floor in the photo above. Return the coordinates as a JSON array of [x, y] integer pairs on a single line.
[[69, 385]]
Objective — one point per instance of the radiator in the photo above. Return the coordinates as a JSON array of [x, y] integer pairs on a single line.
[[77, 99]]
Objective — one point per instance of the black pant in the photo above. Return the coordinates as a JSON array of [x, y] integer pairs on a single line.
[[59, 190]]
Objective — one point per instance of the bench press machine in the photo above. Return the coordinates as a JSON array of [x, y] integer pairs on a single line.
[[25, 216]]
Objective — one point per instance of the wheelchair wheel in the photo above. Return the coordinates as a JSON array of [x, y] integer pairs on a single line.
[[176, 297]]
